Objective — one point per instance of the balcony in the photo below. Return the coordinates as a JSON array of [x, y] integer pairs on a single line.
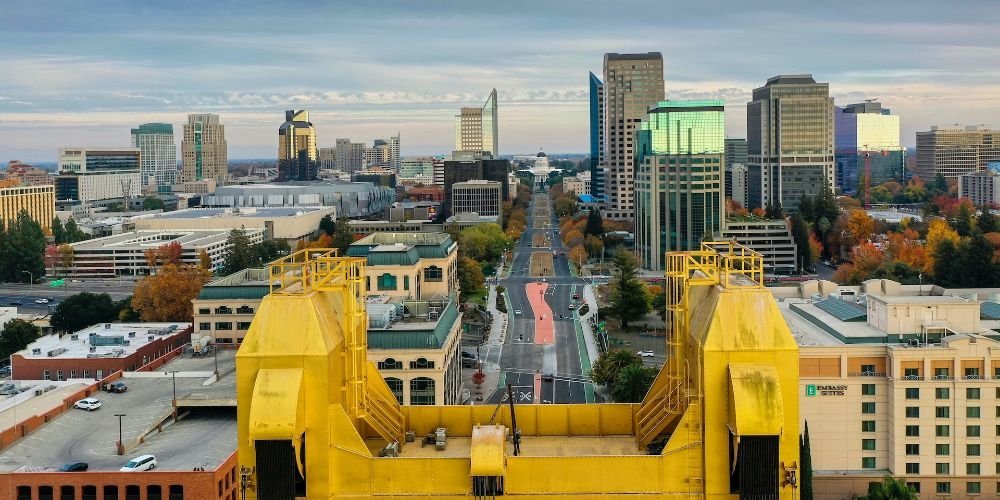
[[943, 377], [913, 377], [866, 374]]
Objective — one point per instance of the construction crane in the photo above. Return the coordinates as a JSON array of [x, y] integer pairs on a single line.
[[317, 421]]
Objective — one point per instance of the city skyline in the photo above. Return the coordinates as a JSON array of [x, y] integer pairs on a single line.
[[87, 76]]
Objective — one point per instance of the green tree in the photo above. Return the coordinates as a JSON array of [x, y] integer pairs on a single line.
[[16, 335], [632, 384], [73, 233], [986, 223], [939, 186], [565, 205], [609, 364], [800, 233], [470, 276], [628, 293], [805, 455], [57, 230], [806, 208], [239, 256], [342, 236], [774, 211], [269, 250], [327, 225], [124, 311], [976, 263], [26, 248], [483, 242], [946, 265], [82, 310], [595, 223], [152, 203], [963, 220], [890, 489]]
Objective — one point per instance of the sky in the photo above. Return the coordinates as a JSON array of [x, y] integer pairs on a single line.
[[78, 73]]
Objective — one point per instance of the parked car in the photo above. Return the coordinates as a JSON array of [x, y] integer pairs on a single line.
[[517, 312], [140, 463], [89, 404], [116, 387], [470, 362], [74, 467], [547, 377], [645, 354]]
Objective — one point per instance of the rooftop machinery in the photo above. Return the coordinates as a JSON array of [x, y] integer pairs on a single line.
[[720, 421]]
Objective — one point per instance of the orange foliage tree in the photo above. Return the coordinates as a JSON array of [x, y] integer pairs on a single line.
[[167, 295], [938, 230], [860, 226]]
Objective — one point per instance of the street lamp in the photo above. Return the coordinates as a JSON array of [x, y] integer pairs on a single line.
[[121, 443], [173, 376]]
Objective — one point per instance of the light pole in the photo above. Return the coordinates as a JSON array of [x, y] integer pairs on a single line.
[[215, 354], [173, 376], [121, 443]]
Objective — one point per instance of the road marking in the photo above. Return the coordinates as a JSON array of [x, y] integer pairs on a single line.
[[538, 387]]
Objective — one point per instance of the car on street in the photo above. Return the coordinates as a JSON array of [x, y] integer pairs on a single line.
[[116, 387], [89, 404], [517, 312], [645, 354], [41, 301], [140, 463], [74, 467], [547, 377], [576, 296], [15, 302], [572, 306]]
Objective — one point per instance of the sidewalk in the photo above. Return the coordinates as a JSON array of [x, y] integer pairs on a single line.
[[489, 352]]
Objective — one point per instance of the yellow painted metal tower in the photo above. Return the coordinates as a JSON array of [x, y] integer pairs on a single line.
[[317, 421]]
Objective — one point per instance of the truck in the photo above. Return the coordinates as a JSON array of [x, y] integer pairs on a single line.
[[202, 346]]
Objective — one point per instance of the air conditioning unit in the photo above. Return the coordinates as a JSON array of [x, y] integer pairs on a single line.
[[131, 335], [127, 342], [150, 338], [36, 351], [74, 337], [107, 326], [93, 349]]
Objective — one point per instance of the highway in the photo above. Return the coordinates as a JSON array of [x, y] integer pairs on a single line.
[[540, 372], [27, 294]]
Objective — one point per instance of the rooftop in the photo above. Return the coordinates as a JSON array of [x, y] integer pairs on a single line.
[[103, 340], [240, 212], [156, 238], [251, 283], [427, 245], [411, 324]]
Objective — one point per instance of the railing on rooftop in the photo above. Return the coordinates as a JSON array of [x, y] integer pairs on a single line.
[[295, 272]]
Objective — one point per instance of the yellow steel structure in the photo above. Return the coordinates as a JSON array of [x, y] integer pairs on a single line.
[[315, 417]]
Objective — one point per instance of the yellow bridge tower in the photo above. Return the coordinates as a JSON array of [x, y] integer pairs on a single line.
[[317, 421]]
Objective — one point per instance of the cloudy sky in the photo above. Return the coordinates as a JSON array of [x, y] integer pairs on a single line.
[[83, 73]]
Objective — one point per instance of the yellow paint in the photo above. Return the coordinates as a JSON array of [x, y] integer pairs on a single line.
[[734, 365]]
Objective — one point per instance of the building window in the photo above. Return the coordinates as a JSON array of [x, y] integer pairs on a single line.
[[915, 484], [433, 273], [942, 374], [67, 492], [46, 375], [942, 412], [223, 310], [972, 469], [421, 363], [396, 386], [243, 325], [204, 310], [912, 412], [913, 468], [406, 282], [912, 430], [972, 450], [911, 374], [868, 444], [422, 391], [912, 393], [387, 282], [867, 389], [974, 487], [942, 468], [942, 430], [132, 492], [176, 492], [867, 370], [224, 325], [972, 374], [868, 407], [867, 426], [867, 462], [244, 310], [204, 327], [972, 430], [972, 393], [943, 486], [942, 449], [972, 412], [942, 393], [110, 492], [911, 449], [154, 492], [390, 364], [59, 374]]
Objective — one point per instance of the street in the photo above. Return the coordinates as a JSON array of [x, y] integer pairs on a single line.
[[26, 294]]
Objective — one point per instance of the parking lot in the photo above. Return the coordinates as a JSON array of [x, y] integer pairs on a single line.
[[82, 436]]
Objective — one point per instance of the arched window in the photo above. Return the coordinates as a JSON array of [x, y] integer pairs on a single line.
[[421, 363], [390, 364], [433, 273], [422, 391], [396, 386], [223, 310], [244, 310], [387, 282]]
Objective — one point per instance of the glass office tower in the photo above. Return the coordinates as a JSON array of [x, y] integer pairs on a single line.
[[679, 181], [596, 137], [867, 128]]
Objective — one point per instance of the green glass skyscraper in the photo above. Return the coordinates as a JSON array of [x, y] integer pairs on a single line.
[[679, 179]]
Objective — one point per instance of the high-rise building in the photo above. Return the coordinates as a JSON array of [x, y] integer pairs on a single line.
[[736, 151], [157, 153], [204, 152], [394, 152], [327, 158], [982, 188], [417, 170], [955, 150], [350, 156], [39, 201], [596, 137], [736, 154], [680, 153], [297, 151], [477, 130], [477, 195], [789, 141], [632, 84], [867, 137], [463, 171], [77, 160]]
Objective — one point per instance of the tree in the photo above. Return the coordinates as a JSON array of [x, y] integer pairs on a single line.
[[167, 295], [805, 455], [890, 489], [269, 250], [860, 226], [632, 383], [470, 276], [57, 230], [963, 219], [483, 242], [594, 245], [82, 310], [204, 261], [578, 255], [26, 250], [16, 335], [238, 253], [342, 236], [800, 233], [976, 263], [986, 222], [595, 223], [565, 205], [628, 292], [774, 211], [66, 255], [806, 208], [152, 203], [327, 225], [125, 311], [945, 263], [605, 370], [73, 233], [938, 230]]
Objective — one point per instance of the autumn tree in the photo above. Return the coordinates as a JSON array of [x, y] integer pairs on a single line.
[[593, 245], [578, 255], [938, 230], [204, 261], [470, 276], [167, 295], [859, 226]]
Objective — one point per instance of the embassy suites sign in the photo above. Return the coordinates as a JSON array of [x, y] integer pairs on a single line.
[[825, 390]]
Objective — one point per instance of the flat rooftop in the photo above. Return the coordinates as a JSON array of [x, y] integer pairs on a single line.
[[82, 436], [148, 238], [241, 213], [110, 341], [531, 446]]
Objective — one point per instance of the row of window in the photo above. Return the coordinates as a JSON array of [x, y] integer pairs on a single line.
[[47, 374], [111, 492], [224, 325], [421, 390], [226, 310], [395, 364]]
